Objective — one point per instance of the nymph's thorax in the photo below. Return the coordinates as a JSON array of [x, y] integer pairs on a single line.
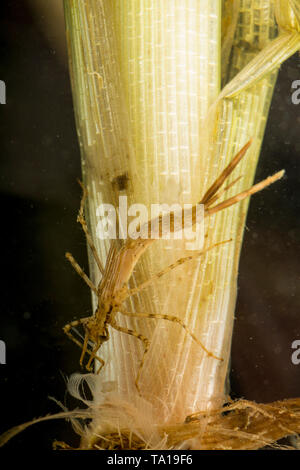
[[108, 304], [103, 314], [109, 295]]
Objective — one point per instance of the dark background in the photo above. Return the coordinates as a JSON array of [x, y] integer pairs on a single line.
[[40, 198]]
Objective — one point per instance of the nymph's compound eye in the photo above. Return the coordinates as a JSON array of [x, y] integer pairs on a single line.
[[120, 265]]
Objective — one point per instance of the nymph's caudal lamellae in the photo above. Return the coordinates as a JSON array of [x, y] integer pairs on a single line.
[[166, 93], [112, 290]]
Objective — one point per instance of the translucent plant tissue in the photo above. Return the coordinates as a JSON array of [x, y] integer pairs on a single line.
[[165, 94]]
